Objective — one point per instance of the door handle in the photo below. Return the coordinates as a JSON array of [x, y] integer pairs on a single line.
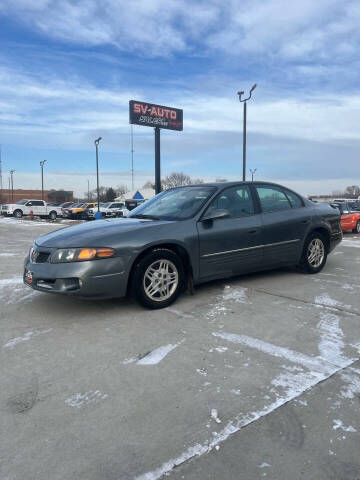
[[252, 231]]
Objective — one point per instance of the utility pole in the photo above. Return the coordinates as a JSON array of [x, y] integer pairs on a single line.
[[157, 161], [252, 173], [244, 100], [12, 185], [42, 178], [9, 191], [88, 191], [97, 141], [132, 158]]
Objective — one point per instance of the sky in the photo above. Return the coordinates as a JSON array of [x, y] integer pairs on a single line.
[[68, 69]]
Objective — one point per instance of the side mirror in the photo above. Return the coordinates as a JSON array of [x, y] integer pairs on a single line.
[[216, 213], [29, 204]]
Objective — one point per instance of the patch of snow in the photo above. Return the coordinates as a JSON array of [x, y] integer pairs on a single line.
[[214, 415], [202, 371], [312, 363], [349, 243], [353, 385], [79, 400], [179, 313], [221, 349], [339, 424], [14, 341], [5, 282], [264, 465], [230, 294], [235, 392], [156, 355], [7, 254], [331, 344], [325, 299], [129, 360]]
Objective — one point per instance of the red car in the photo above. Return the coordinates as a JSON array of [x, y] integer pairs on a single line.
[[350, 219]]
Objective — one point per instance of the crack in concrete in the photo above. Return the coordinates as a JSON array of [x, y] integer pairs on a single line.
[[306, 302]]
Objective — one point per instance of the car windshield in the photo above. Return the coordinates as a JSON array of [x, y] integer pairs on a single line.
[[176, 204], [21, 202], [104, 204]]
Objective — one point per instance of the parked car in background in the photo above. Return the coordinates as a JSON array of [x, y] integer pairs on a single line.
[[25, 207], [76, 211], [54, 204], [108, 209], [350, 219], [353, 204], [184, 236]]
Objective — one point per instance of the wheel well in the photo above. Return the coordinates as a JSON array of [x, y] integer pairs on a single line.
[[178, 249], [52, 211], [325, 233]]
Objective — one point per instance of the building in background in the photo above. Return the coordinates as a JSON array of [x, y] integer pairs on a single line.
[[135, 197], [58, 196]]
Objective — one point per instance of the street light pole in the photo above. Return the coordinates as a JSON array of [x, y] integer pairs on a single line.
[[42, 178], [12, 185], [244, 100], [252, 173], [97, 171]]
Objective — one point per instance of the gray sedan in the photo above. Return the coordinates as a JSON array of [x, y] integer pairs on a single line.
[[185, 236]]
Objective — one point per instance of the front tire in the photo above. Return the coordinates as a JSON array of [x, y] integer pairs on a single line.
[[357, 228], [158, 279], [52, 215], [18, 214], [315, 253]]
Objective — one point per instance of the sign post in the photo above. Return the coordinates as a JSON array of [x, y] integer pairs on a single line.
[[157, 116]]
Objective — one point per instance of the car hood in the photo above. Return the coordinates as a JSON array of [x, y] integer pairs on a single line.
[[100, 233]]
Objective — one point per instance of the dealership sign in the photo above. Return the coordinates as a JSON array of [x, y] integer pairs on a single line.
[[150, 115]]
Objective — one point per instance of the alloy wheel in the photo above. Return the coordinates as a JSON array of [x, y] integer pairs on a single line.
[[161, 280], [316, 252]]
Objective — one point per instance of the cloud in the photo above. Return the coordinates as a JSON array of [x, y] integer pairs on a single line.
[[160, 28]]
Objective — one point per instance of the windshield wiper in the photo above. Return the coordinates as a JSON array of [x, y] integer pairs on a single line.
[[149, 217]]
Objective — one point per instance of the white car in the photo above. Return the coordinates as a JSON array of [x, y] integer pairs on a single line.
[[25, 207], [109, 209]]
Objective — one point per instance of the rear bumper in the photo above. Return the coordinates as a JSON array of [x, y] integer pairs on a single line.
[[335, 239], [94, 279]]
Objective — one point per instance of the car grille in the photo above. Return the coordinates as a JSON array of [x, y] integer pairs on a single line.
[[38, 256], [5, 207]]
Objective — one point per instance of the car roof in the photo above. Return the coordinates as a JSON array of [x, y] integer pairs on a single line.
[[229, 184]]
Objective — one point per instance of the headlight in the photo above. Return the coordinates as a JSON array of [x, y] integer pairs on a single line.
[[66, 255]]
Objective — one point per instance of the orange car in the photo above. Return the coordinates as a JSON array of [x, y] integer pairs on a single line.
[[350, 220]]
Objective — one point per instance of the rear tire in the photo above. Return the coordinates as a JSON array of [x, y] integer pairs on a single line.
[[18, 214], [357, 228], [314, 254], [158, 279]]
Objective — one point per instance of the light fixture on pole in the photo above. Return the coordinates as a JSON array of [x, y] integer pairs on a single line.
[[97, 141], [252, 173], [244, 100], [42, 178], [12, 185]]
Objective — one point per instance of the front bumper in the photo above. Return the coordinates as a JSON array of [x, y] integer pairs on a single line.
[[106, 278]]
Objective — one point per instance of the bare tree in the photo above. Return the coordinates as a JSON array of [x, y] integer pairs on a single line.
[[353, 191], [149, 184], [121, 190], [179, 179]]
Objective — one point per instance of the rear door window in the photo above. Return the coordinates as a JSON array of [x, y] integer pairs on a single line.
[[294, 199], [272, 199]]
